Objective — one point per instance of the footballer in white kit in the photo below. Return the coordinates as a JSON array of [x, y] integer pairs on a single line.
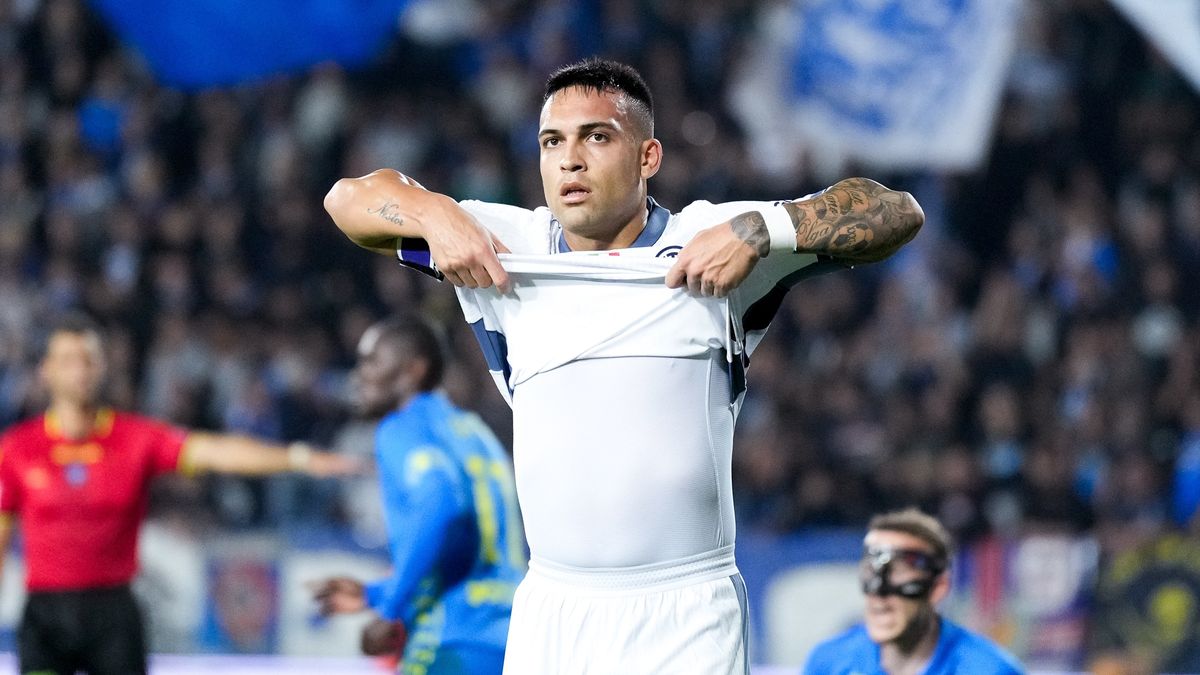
[[624, 395], [620, 334]]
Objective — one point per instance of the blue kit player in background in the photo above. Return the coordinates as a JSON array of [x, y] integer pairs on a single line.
[[904, 575], [453, 525]]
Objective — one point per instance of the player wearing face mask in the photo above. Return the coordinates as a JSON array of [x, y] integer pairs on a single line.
[[904, 575]]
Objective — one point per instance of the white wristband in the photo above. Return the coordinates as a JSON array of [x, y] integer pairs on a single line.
[[299, 456], [780, 228]]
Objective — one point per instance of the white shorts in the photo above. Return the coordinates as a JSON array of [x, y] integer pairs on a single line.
[[688, 617]]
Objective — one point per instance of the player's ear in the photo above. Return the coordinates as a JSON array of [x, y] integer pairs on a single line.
[[941, 588], [414, 373], [651, 157]]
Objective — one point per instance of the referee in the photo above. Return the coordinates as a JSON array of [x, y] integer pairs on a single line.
[[77, 478]]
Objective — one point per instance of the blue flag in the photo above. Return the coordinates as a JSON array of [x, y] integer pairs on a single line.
[[196, 44], [885, 83], [1174, 28]]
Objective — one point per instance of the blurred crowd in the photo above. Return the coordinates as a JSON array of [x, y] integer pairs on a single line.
[[1030, 363]]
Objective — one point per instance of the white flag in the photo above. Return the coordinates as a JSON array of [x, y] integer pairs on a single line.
[[885, 83], [1173, 26]]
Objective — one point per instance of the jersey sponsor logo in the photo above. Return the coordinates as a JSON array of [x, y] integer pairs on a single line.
[[669, 252]]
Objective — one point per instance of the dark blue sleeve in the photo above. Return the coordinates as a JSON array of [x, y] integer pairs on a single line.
[[422, 496], [414, 254]]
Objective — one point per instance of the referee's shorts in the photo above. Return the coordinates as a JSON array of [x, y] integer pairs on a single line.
[[98, 631], [686, 617]]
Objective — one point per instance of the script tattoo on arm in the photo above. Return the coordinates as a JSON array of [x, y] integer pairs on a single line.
[[751, 228], [389, 212], [856, 221]]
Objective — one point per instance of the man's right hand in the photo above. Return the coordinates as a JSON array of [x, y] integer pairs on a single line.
[[463, 250], [339, 595], [381, 637], [376, 209]]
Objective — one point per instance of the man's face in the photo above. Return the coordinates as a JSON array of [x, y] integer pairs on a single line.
[[377, 375], [73, 368], [592, 162], [889, 618]]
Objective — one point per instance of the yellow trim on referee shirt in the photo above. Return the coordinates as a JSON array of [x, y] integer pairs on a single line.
[[184, 465]]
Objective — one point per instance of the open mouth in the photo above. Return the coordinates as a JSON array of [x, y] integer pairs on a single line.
[[573, 193]]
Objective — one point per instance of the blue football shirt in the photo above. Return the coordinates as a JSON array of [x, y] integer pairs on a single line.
[[453, 528], [958, 651]]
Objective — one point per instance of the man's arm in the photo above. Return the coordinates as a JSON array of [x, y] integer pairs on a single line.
[[243, 455], [376, 210], [854, 221]]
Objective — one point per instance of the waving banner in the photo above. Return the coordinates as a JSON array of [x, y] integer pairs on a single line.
[[885, 83], [1174, 27], [196, 44]]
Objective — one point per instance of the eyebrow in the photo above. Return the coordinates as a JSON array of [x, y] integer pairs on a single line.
[[582, 129]]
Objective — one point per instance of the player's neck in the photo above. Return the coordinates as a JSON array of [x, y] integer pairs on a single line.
[[623, 237], [73, 420], [910, 653]]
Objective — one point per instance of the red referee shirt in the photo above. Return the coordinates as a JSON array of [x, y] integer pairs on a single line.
[[81, 502]]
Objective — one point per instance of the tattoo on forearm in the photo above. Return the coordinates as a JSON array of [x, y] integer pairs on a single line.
[[855, 220], [388, 212], [751, 228]]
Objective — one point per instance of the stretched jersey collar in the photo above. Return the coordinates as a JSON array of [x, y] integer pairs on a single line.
[[656, 222], [101, 426]]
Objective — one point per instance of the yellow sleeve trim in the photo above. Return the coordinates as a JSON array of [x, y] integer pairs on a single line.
[[186, 466]]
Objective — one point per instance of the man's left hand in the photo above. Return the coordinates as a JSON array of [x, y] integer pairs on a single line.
[[720, 258]]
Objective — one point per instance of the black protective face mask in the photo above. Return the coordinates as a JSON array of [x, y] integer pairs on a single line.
[[875, 571]]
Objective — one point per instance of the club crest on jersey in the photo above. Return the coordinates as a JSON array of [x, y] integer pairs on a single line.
[[76, 474], [669, 252]]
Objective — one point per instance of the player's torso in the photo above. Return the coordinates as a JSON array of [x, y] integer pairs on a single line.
[[625, 461], [97, 478], [623, 390]]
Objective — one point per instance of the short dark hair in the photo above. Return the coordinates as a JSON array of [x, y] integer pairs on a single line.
[[76, 323], [420, 339], [596, 74], [72, 323], [920, 525]]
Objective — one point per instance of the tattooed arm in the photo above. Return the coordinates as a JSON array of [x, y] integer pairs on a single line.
[[855, 221], [376, 210]]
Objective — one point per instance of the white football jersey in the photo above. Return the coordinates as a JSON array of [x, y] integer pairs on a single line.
[[624, 392]]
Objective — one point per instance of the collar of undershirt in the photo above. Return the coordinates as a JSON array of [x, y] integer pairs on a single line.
[[656, 222]]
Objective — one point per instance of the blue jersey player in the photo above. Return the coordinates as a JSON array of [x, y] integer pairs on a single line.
[[453, 528], [904, 574]]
